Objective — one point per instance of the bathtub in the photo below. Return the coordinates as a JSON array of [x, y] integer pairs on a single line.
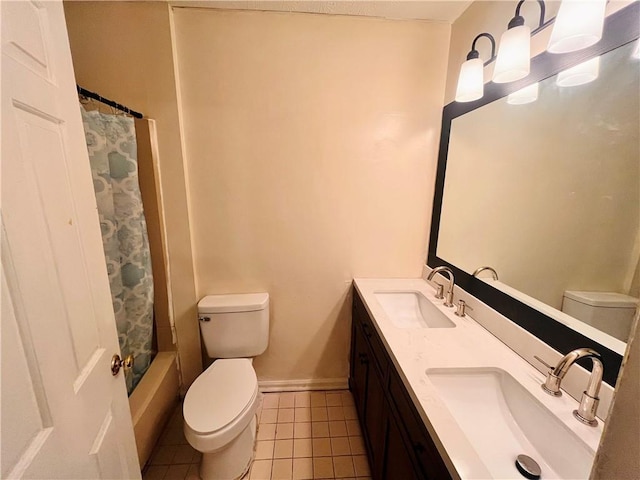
[[153, 401]]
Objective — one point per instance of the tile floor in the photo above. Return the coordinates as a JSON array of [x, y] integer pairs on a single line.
[[301, 436]]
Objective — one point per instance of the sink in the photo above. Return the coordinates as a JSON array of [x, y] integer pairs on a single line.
[[502, 420], [412, 310]]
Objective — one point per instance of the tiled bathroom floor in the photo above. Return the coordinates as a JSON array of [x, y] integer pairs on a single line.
[[301, 436]]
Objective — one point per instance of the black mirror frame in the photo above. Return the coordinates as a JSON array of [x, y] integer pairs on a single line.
[[620, 28]]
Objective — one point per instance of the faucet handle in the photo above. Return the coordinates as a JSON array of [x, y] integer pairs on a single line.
[[439, 291], [461, 311], [552, 383]]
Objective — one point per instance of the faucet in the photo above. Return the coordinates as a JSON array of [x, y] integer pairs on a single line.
[[494, 274], [448, 302], [586, 412]]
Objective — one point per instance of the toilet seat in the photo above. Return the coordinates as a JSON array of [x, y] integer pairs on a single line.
[[220, 403]]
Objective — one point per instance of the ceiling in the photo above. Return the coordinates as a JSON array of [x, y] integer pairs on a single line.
[[446, 11]]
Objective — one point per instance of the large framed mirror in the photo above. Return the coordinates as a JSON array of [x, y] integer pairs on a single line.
[[547, 193]]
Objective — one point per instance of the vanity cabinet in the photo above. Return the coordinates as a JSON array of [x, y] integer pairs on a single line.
[[398, 443]]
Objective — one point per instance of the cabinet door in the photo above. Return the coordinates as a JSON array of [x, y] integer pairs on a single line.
[[397, 462], [359, 368], [417, 437], [375, 420]]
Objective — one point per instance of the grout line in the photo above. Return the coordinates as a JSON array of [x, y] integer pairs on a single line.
[[324, 402]]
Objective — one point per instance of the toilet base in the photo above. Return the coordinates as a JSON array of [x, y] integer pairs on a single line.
[[233, 461]]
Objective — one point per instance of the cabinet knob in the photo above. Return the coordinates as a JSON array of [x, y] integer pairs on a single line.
[[363, 359], [365, 327], [418, 447]]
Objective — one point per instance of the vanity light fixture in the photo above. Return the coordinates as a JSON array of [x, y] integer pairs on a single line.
[[525, 95], [578, 25], [514, 50], [580, 74], [471, 79]]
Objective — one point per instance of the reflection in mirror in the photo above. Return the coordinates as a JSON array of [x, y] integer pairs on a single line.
[[547, 193]]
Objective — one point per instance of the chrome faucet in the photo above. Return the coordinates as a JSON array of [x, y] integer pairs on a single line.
[[479, 270], [586, 412], [448, 302]]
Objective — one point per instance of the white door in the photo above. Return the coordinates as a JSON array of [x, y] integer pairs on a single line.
[[63, 414]]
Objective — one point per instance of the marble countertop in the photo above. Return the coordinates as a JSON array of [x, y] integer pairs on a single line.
[[413, 350]]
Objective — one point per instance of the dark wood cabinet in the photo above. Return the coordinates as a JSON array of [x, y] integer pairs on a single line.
[[359, 369], [398, 443], [374, 419], [397, 461]]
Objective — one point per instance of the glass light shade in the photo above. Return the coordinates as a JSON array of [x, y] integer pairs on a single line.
[[580, 74], [514, 55], [578, 25], [527, 94], [470, 81]]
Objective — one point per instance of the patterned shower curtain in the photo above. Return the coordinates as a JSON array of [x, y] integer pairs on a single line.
[[111, 142]]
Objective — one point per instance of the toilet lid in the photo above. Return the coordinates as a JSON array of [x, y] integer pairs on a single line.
[[219, 395]]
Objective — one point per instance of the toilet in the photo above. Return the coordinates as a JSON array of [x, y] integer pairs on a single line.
[[220, 406], [609, 312]]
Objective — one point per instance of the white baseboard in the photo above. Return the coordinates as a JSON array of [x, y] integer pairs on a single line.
[[302, 385]]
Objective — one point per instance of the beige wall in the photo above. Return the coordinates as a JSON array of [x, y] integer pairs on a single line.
[[122, 50], [311, 144]]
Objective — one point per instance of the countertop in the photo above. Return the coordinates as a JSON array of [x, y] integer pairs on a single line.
[[469, 345]]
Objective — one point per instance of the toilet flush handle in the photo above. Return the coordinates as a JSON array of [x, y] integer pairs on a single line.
[[204, 319]]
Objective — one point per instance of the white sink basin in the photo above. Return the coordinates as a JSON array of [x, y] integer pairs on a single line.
[[412, 310], [502, 420]]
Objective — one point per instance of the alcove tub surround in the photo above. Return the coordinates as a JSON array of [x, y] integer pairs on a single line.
[[471, 344], [112, 55]]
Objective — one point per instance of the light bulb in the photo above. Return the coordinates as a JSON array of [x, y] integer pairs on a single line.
[[514, 54], [525, 95], [470, 81], [578, 25], [580, 74]]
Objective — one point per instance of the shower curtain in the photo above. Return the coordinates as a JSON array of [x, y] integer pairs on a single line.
[[111, 142]]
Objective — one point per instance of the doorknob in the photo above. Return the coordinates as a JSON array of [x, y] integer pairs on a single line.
[[117, 362]]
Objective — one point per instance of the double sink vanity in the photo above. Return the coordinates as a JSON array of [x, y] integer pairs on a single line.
[[438, 396], [538, 195]]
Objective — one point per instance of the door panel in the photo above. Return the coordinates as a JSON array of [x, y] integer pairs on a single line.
[[24, 384], [43, 163]]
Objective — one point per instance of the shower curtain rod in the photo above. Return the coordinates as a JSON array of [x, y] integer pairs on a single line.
[[86, 93]]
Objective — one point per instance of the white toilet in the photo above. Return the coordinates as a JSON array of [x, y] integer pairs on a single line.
[[219, 408], [609, 312]]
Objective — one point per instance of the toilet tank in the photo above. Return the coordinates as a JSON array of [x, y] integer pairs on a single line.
[[234, 326], [609, 312]]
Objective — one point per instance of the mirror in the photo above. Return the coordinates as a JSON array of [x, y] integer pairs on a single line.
[[548, 194]]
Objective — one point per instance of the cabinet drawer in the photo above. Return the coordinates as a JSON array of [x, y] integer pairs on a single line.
[[379, 352], [422, 447]]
